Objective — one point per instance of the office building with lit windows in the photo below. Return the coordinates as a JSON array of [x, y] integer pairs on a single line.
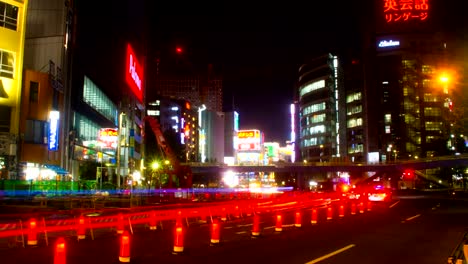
[[12, 32], [408, 106], [319, 93]]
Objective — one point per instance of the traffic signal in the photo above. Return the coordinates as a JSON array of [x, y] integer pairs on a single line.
[[408, 174]]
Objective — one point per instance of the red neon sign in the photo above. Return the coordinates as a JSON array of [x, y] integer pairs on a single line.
[[134, 74], [405, 10]]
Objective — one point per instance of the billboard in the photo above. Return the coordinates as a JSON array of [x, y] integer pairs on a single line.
[[53, 140], [405, 10], [248, 140], [108, 137], [134, 74]]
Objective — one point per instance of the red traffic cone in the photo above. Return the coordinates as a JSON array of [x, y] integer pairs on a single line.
[[32, 232], [153, 224], [279, 224], [329, 213], [256, 226], [369, 206], [224, 215], [60, 256], [361, 207], [298, 222], [178, 239], [314, 217], [341, 213], [215, 232], [81, 229], [124, 253]]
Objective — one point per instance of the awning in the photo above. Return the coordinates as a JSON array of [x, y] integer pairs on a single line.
[[56, 168]]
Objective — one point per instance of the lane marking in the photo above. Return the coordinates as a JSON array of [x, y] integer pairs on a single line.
[[413, 217], [228, 227], [394, 204], [241, 232], [331, 254], [245, 225]]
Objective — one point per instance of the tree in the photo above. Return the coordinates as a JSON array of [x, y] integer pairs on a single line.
[[88, 170]]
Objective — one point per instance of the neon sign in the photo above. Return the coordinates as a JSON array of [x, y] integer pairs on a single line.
[[54, 116], [108, 137], [389, 43], [248, 140], [134, 74], [405, 10]]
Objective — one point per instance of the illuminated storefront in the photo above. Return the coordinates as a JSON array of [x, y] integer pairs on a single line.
[[250, 149], [12, 32]]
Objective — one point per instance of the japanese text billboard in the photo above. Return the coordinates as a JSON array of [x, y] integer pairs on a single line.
[[249, 140], [134, 74], [405, 10]]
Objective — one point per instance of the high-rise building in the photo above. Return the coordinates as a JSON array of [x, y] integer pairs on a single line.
[[410, 80], [12, 41], [319, 94]]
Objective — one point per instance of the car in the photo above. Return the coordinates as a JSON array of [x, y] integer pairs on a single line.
[[379, 194]]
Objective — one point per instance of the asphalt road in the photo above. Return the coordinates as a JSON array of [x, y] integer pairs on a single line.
[[419, 230]]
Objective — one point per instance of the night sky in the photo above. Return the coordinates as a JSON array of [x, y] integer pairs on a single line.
[[257, 49]]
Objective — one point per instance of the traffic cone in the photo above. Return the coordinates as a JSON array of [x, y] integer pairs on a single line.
[[341, 214], [32, 234], [314, 217], [124, 253], [120, 224], [329, 213], [353, 208], [178, 240], [81, 229], [60, 256], [361, 207], [279, 224], [256, 226], [153, 224], [236, 212], [369, 206], [298, 222], [215, 232], [224, 215]]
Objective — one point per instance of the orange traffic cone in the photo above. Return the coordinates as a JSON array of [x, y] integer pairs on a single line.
[[81, 229], [153, 224], [329, 213], [178, 240]]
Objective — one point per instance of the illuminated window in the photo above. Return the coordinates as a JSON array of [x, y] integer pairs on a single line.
[[8, 16], [433, 126], [388, 118], [388, 130], [153, 112], [432, 111], [7, 63], [354, 110], [317, 118], [312, 87], [353, 97], [95, 98], [354, 122], [313, 108], [430, 98]]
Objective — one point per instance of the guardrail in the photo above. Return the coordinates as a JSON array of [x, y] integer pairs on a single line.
[[460, 252]]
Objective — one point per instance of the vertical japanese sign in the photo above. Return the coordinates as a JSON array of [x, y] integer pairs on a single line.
[[53, 130], [405, 10]]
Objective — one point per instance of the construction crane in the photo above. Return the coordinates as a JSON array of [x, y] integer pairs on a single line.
[[182, 172]]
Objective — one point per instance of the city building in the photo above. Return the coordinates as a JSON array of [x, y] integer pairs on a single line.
[[231, 127], [12, 42], [43, 149], [411, 77], [321, 129], [250, 147]]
